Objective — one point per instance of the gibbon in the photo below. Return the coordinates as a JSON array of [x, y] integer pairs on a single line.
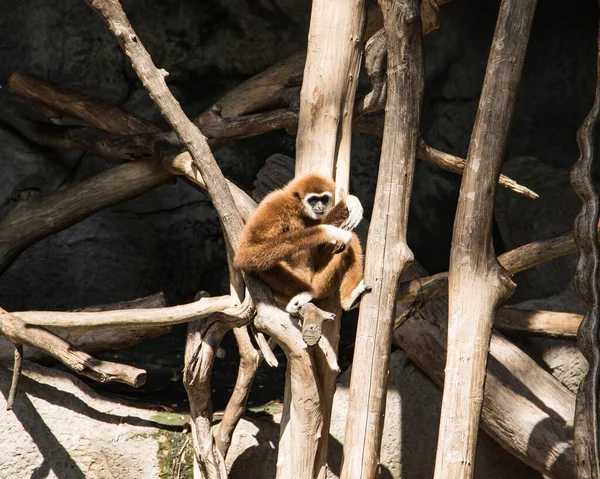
[[302, 246]]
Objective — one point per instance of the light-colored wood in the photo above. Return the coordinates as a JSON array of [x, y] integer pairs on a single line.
[[329, 84], [102, 371], [184, 313], [93, 340], [477, 283], [542, 323], [87, 108], [387, 253], [525, 409], [514, 261], [312, 322]]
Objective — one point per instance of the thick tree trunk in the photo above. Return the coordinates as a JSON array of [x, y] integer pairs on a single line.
[[387, 253], [525, 409], [323, 146], [477, 282]]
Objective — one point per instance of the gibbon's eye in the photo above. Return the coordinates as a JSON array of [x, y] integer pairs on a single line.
[[314, 200]]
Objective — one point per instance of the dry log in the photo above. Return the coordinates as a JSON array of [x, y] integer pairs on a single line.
[[32, 220], [17, 368], [587, 285], [477, 283], [542, 323], [323, 146], [519, 259], [103, 371], [132, 317], [250, 359], [87, 108], [525, 409], [388, 254], [457, 165], [312, 323], [93, 340]]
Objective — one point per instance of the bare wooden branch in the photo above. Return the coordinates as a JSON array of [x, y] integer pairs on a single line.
[[184, 313], [93, 340], [525, 409], [477, 283], [542, 323], [312, 323], [102, 371], [387, 254], [250, 360], [266, 347], [323, 145], [587, 285], [457, 165], [31, 220], [86, 108], [17, 368], [519, 259]]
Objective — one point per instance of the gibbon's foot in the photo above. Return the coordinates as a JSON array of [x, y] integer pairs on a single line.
[[298, 301], [356, 296], [355, 213]]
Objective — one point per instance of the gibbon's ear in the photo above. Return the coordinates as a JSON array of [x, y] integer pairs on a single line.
[[297, 195]]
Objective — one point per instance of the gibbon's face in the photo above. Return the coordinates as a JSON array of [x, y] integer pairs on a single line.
[[316, 205]]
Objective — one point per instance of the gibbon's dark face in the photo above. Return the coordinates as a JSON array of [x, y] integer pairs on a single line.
[[317, 204]]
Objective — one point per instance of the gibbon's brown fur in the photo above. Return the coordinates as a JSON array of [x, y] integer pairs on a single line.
[[296, 254]]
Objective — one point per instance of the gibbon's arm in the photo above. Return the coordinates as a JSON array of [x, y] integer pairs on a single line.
[[263, 253], [346, 214]]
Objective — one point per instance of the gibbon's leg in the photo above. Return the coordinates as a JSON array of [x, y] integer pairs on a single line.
[[343, 271], [284, 280], [264, 253], [352, 286]]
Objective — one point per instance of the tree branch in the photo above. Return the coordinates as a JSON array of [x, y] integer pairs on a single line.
[[519, 259], [388, 254], [127, 317], [102, 371], [477, 283]]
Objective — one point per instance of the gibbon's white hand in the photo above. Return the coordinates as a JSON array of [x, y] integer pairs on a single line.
[[355, 213]]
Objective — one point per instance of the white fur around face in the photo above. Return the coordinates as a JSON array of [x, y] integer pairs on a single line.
[[308, 209]]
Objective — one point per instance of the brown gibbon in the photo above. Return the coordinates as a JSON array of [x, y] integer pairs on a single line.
[[302, 245]]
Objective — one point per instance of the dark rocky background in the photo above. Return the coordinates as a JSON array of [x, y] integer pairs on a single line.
[[169, 239]]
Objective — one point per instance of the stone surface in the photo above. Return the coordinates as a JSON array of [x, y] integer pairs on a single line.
[[59, 428]]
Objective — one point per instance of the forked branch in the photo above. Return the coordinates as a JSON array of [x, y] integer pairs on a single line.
[[477, 283]]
